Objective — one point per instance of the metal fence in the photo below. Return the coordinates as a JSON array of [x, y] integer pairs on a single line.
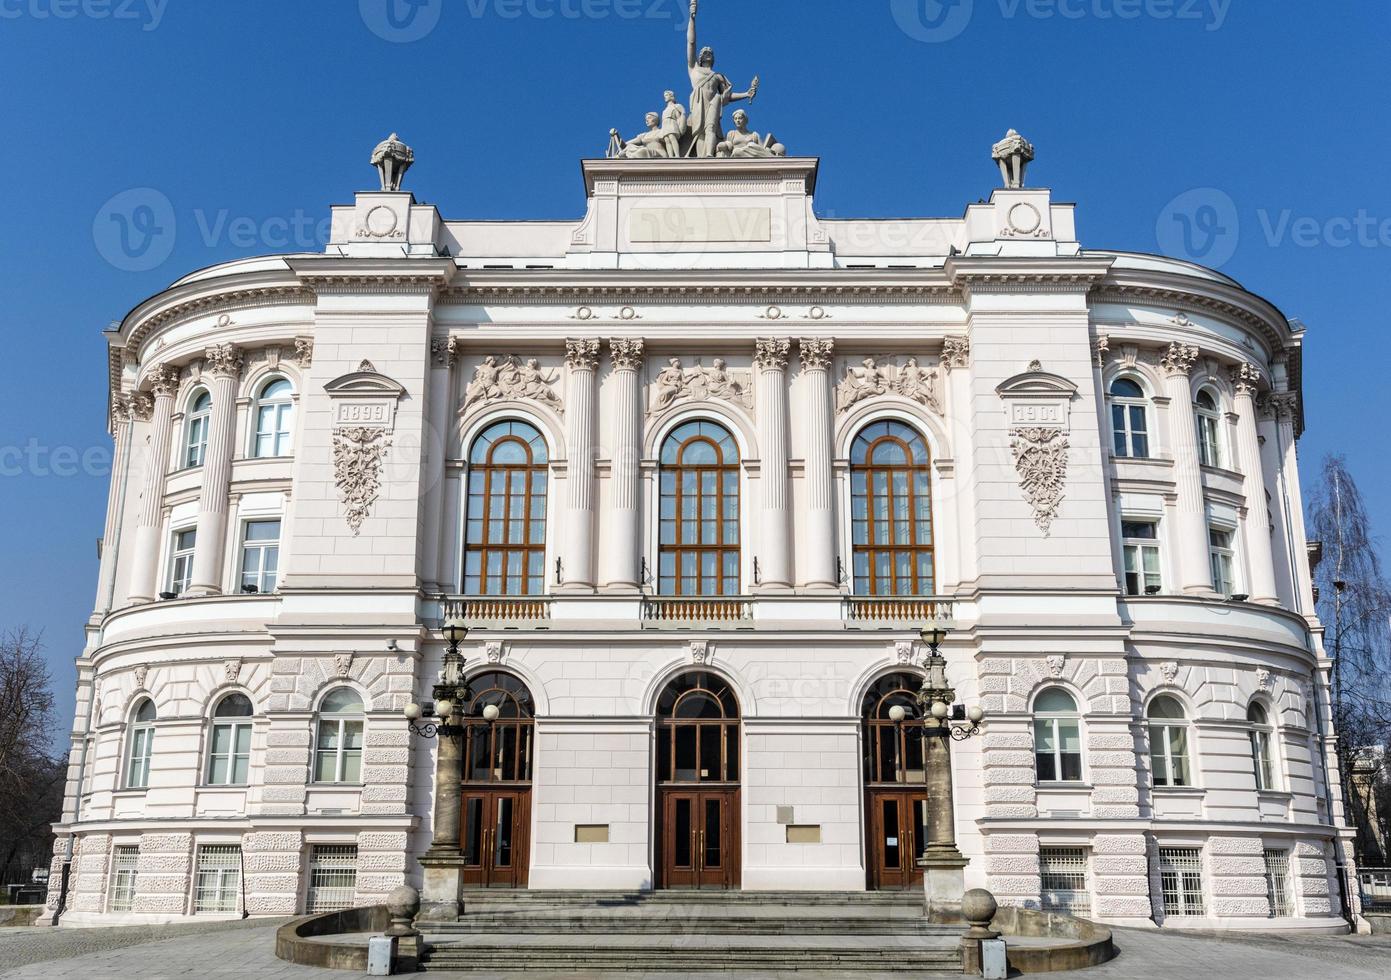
[[1375, 885]]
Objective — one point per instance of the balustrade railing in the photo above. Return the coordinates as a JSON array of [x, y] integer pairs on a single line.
[[696, 609], [868, 610], [500, 609]]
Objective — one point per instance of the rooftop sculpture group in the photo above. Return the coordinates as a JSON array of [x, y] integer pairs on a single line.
[[676, 133]]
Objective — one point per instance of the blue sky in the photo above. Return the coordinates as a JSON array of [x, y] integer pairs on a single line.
[[250, 118]]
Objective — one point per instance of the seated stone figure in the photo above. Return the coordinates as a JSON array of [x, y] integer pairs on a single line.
[[742, 144], [649, 146]]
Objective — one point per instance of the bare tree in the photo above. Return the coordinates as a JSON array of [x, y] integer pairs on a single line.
[[31, 776], [1354, 603]]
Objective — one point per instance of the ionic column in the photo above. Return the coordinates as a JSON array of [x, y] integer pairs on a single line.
[[622, 535], [1245, 380], [1195, 576], [145, 563], [581, 394], [224, 363], [434, 518], [774, 554], [820, 536], [121, 411]]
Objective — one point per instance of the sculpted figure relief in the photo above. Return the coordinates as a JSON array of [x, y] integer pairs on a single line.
[[674, 382], [511, 379], [649, 145], [911, 381]]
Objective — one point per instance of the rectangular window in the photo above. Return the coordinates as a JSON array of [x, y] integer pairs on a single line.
[[1058, 750], [1209, 440], [1140, 544], [1277, 883], [338, 754], [332, 877], [123, 868], [1222, 555], [1181, 877], [1260, 756], [1063, 872], [217, 887], [138, 771], [181, 560], [229, 758], [1169, 754], [260, 556]]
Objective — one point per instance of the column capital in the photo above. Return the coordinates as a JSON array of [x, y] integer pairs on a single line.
[[956, 352], [304, 351], [581, 354], [223, 360], [1101, 346], [140, 407], [770, 353], [445, 350], [121, 408], [1178, 359], [1246, 379], [1284, 405], [817, 353], [164, 380], [626, 353]]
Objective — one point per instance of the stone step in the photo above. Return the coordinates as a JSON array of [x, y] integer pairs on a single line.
[[690, 921], [671, 954], [487, 899]]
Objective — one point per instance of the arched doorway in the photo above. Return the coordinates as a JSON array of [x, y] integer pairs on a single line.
[[499, 754], [697, 839], [895, 783]]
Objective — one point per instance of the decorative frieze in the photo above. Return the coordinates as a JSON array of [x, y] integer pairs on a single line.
[[873, 379], [675, 383], [510, 379]]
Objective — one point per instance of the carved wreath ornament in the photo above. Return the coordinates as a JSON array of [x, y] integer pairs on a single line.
[[359, 454], [1040, 458]]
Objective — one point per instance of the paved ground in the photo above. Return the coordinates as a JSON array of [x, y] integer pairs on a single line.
[[246, 950]]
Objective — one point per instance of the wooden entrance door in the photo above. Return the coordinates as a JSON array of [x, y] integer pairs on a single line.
[[495, 840], [897, 822], [699, 839]]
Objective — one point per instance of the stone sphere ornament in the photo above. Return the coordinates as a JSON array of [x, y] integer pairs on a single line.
[[978, 908], [403, 904]]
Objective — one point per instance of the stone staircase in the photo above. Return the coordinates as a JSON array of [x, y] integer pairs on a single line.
[[684, 932]]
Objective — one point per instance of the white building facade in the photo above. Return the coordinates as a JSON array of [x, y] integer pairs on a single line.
[[698, 468]]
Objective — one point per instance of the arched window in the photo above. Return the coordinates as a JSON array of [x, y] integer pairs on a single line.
[[698, 731], [229, 749], [1209, 428], [338, 742], [1168, 742], [140, 741], [505, 535], [891, 511], [200, 412], [1130, 419], [1261, 731], [893, 748], [275, 419], [499, 748], [1057, 737], [698, 550]]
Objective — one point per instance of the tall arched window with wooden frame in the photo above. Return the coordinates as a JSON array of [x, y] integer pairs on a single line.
[[891, 511], [505, 528], [698, 543]]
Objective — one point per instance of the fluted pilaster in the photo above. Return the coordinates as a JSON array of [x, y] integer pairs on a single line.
[[160, 413], [1260, 554], [817, 354], [1195, 576], [577, 559], [622, 539], [775, 553], [224, 364]]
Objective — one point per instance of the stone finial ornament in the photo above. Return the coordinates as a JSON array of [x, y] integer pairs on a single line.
[[1014, 154], [402, 905], [392, 158]]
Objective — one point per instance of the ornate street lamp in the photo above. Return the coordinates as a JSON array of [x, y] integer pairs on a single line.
[[451, 693], [938, 697]]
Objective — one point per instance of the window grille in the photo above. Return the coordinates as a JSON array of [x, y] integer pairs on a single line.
[[332, 877], [123, 866], [218, 885], [1277, 883], [1064, 880], [1181, 877]]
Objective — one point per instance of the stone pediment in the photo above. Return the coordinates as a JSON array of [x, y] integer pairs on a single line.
[[364, 398], [1037, 383]]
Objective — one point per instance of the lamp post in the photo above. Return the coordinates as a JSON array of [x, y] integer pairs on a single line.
[[442, 862], [943, 866]]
